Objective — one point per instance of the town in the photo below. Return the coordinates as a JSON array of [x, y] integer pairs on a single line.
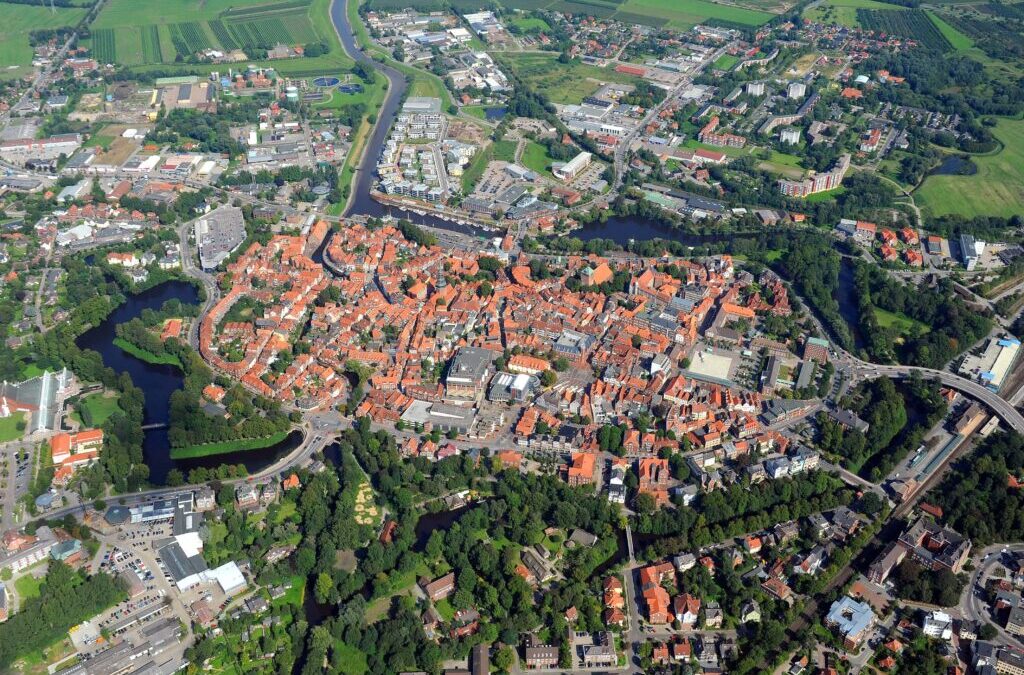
[[360, 336]]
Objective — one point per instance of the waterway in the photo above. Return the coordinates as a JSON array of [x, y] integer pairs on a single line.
[[158, 382]]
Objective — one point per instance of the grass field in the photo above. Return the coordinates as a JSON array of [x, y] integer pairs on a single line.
[[844, 12], [95, 409], [901, 322], [148, 357], [564, 82], [956, 39], [353, 661], [12, 428], [16, 22], [535, 158], [505, 151], [224, 447], [684, 14], [527, 23], [27, 587], [997, 189]]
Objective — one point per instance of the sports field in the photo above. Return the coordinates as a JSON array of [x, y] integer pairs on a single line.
[[144, 34], [563, 82], [16, 22], [997, 189]]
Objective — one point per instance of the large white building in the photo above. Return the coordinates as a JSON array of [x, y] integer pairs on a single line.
[[991, 366], [573, 167]]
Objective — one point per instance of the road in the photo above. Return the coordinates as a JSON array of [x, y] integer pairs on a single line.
[[972, 603], [191, 268]]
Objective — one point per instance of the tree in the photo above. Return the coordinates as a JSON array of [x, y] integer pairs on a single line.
[[548, 378], [645, 503], [504, 658]]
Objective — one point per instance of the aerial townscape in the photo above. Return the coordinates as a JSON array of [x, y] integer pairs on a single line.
[[457, 337]]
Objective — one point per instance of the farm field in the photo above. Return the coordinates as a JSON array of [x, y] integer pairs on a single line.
[[563, 82], [844, 11], [174, 30], [915, 24], [682, 14], [997, 189], [16, 22]]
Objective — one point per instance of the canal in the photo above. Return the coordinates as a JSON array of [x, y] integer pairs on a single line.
[[158, 382]]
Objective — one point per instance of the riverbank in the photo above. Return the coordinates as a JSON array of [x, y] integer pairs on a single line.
[[147, 356], [226, 447]]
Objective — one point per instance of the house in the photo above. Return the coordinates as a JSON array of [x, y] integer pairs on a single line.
[[582, 469], [76, 449], [713, 615], [750, 612], [687, 610], [439, 588], [684, 562]]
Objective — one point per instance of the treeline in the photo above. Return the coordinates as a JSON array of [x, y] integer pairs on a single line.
[[945, 324], [976, 496], [739, 509], [917, 583], [65, 599]]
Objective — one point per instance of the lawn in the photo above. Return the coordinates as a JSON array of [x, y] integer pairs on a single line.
[[535, 158], [685, 14], [12, 428], [27, 587], [957, 40], [475, 169], [16, 22], [31, 370], [563, 82], [997, 189], [844, 12], [224, 447], [96, 408], [901, 322], [353, 661], [505, 151]]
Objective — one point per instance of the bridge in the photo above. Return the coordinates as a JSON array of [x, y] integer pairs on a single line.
[[156, 425]]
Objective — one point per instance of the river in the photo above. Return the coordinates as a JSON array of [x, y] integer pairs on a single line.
[[158, 382]]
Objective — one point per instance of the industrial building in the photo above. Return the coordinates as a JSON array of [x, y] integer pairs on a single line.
[[992, 365]]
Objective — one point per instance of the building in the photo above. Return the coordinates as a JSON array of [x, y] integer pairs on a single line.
[[77, 449], [817, 182], [468, 374], [218, 234], [573, 167], [796, 90], [851, 620], [24, 550], [937, 624], [439, 588], [538, 656], [790, 135], [992, 365], [582, 469]]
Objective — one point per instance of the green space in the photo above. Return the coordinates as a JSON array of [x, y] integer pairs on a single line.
[[536, 158], [956, 39], [995, 190], [901, 322], [843, 12], [147, 356], [563, 82], [224, 447], [12, 427], [529, 23], [370, 96], [31, 370], [475, 169], [27, 587], [16, 22], [725, 62], [684, 14], [93, 410], [352, 660], [505, 151], [477, 111]]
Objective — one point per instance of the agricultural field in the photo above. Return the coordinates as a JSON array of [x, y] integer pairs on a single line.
[[681, 14], [175, 30], [997, 189], [915, 24], [955, 38], [844, 12], [563, 82], [16, 22]]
